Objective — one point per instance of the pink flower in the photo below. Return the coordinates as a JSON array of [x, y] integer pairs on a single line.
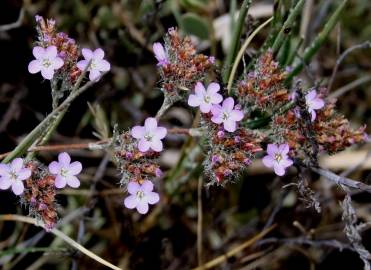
[[12, 175], [97, 66], [149, 135], [277, 158], [47, 61], [314, 102], [65, 172], [140, 196], [226, 114], [160, 54], [205, 98]]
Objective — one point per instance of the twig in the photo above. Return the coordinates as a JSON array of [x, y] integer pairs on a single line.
[[199, 221], [61, 235], [342, 90], [235, 250], [16, 24], [364, 45]]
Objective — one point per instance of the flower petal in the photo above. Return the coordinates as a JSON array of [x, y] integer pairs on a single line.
[[156, 145], [268, 161], [216, 98], [200, 89], [213, 88], [228, 104], [286, 163], [272, 149], [17, 187], [311, 95], [143, 145], [4, 169], [283, 148], [73, 181], [81, 65], [138, 132], [133, 187], [142, 207], [279, 170], [94, 75], [16, 164], [47, 73], [205, 107], [230, 125], [103, 66], [51, 52], [38, 52], [75, 168], [57, 63], [23, 174], [147, 186], [236, 115], [130, 202], [153, 197], [54, 167], [98, 54], [217, 119], [216, 110], [5, 182], [160, 133], [87, 53], [64, 159], [313, 115], [60, 182], [34, 66], [150, 124], [317, 104], [194, 101], [159, 51]]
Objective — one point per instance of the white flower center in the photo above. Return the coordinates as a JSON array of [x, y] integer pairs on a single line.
[[140, 194], [93, 64], [64, 172], [278, 157], [225, 116], [207, 98], [46, 63], [13, 175], [148, 137]]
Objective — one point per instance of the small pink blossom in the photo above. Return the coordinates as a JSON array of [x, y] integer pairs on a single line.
[[140, 196], [277, 158], [47, 61], [97, 66], [160, 54], [149, 135], [226, 114], [314, 102], [65, 172], [205, 99], [12, 175]]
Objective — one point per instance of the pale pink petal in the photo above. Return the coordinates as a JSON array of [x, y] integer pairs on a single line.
[[156, 145], [317, 104], [138, 132], [200, 89], [230, 125], [150, 124], [205, 107], [159, 51], [38, 52], [94, 75], [213, 88], [160, 133], [103, 66], [147, 186], [272, 149], [5, 183], [130, 202], [153, 197], [23, 174], [283, 148], [47, 73], [268, 161], [279, 170], [34, 66], [143, 145], [286, 163], [217, 119], [216, 110], [194, 101], [75, 168], [236, 115], [4, 169], [87, 53], [16, 164], [98, 54], [17, 187], [228, 104], [58, 63], [216, 98], [64, 159], [51, 52], [311, 95], [313, 115], [60, 182], [133, 187], [142, 207], [81, 65], [73, 181], [54, 167]]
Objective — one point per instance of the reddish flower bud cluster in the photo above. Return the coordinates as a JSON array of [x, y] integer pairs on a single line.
[[135, 165], [184, 67], [231, 153], [39, 195], [264, 87], [66, 46]]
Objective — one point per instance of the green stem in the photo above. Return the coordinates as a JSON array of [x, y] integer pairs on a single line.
[[317, 43], [235, 39]]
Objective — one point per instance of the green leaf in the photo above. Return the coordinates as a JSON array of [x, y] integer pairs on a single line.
[[193, 24]]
